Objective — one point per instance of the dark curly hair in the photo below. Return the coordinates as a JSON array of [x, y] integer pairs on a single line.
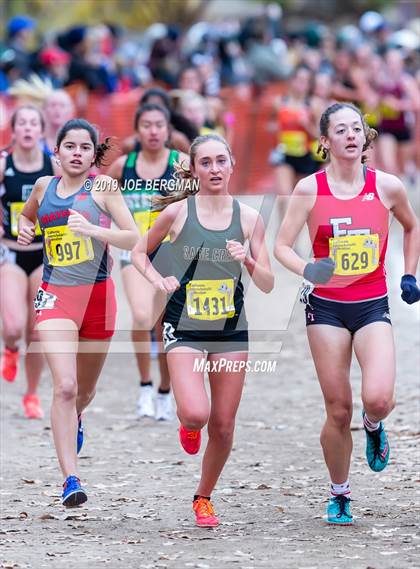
[[370, 133], [81, 124]]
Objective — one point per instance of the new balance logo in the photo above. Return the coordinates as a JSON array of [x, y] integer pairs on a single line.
[[9, 172], [368, 197], [386, 315]]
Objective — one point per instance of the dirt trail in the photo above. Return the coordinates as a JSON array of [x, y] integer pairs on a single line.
[[271, 497]]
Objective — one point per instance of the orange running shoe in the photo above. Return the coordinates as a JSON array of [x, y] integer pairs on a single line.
[[9, 364], [204, 513], [190, 440], [32, 407]]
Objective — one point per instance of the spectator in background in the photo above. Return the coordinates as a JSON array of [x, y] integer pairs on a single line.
[[55, 65], [190, 79], [234, 66], [344, 88], [101, 44], [8, 71], [209, 72], [165, 57], [93, 76], [19, 37], [375, 28], [58, 109], [263, 59]]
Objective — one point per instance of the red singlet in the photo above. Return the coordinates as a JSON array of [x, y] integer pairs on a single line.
[[354, 232]]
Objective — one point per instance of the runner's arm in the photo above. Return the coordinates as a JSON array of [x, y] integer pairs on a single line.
[[300, 204], [395, 192], [149, 242], [28, 217], [258, 262], [113, 202]]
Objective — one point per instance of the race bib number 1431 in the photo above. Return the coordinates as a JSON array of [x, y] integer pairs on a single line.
[[210, 300]]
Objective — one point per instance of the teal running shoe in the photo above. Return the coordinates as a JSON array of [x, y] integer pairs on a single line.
[[338, 511], [377, 448], [79, 434], [73, 493]]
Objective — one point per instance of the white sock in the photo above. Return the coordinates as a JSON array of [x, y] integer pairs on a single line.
[[337, 489], [369, 424]]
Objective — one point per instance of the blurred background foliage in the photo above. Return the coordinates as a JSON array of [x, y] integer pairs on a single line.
[[132, 14], [138, 14]]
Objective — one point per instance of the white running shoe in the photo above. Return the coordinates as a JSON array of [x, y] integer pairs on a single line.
[[145, 404], [164, 407]]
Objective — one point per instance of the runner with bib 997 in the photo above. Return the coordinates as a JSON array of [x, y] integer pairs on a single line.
[[76, 303]]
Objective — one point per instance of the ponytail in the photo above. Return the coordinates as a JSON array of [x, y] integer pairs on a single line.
[[101, 150], [182, 190]]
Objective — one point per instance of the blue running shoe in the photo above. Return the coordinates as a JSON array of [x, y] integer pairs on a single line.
[[79, 434], [73, 493], [338, 511], [377, 448]]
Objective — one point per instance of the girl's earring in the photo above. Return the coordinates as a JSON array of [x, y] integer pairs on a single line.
[[57, 161]]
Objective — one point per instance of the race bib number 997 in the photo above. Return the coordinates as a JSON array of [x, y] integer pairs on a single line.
[[64, 248]]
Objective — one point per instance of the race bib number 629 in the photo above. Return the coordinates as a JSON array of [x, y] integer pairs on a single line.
[[355, 254]]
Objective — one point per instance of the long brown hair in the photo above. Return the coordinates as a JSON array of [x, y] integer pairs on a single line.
[[182, 172]]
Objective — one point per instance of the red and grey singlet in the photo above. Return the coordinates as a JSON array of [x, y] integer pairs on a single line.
[[71, 259], [354, 233]]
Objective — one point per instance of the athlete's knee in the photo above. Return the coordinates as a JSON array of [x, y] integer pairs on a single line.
[[84, 398], [12, 332], [222, 431], [193, 420], [340, 415], [143, 319], [65, 389], [378, 407]]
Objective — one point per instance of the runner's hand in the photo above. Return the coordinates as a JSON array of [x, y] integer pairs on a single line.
[[319, 272], [79, 224], [410, 291], [236, 250], [26, 235], [167, 285]]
